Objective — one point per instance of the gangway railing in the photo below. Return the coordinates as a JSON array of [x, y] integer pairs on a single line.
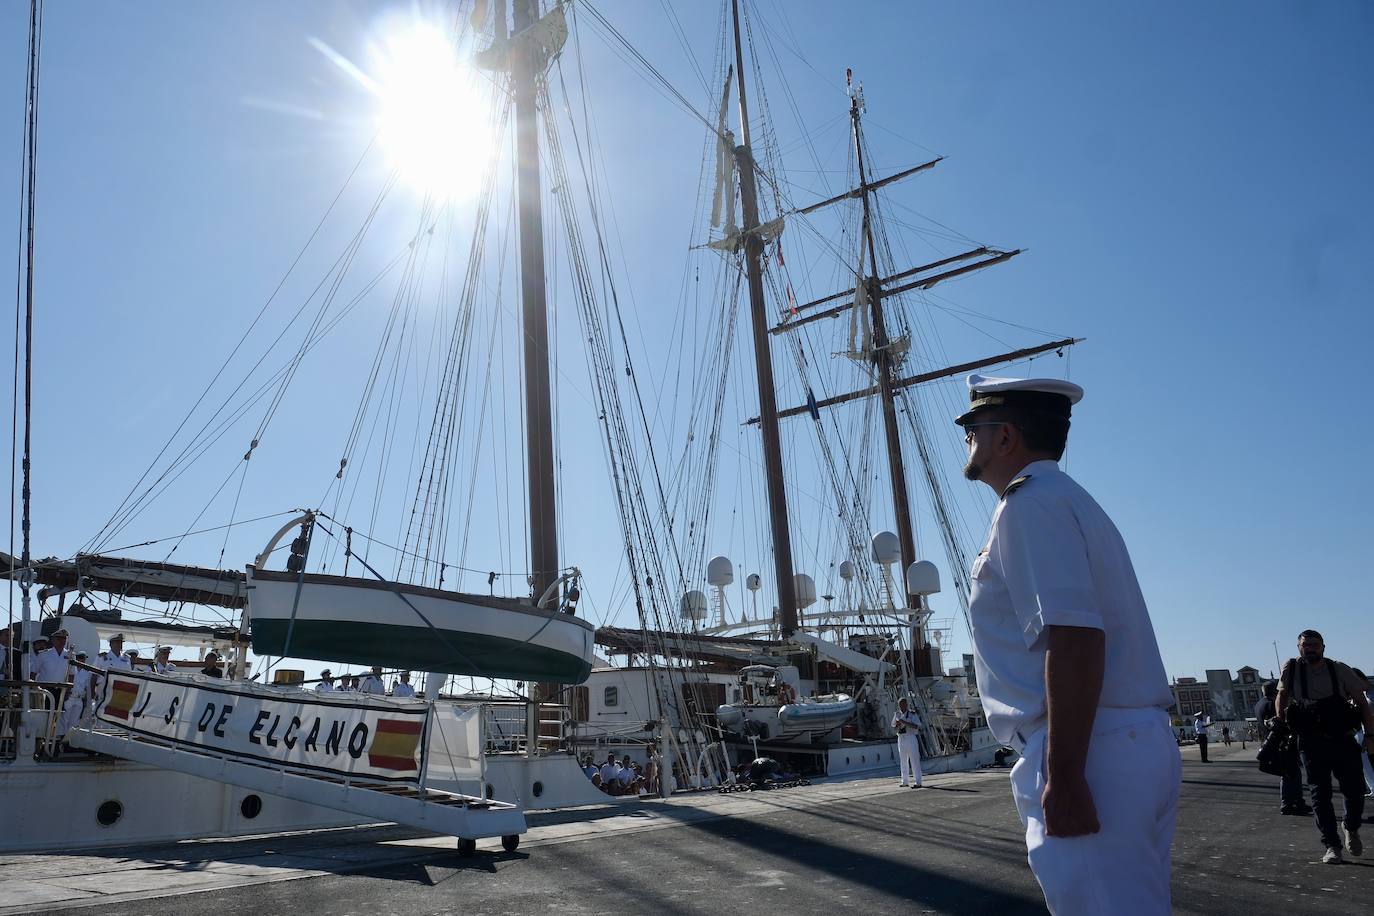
[[29, 716]]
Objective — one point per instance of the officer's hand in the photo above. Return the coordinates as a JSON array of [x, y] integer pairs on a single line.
[[1069, 809]]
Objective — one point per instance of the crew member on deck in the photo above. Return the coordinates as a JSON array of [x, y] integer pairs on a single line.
[[326, 684], [907, 725], [50, 665], [372, 683], [1068, 667], [404, 688], [211, 668], [115, 658], [162, 661], [77, 698]]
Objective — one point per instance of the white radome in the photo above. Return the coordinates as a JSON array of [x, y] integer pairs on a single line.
[[847, 571], [886, 548], [720, 572], [694, 605], [922, 578], [806, 590]]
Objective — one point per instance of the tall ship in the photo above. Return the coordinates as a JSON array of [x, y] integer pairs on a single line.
[[435, 541]]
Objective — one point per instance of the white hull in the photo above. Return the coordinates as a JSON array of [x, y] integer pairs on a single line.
[[336, 618]]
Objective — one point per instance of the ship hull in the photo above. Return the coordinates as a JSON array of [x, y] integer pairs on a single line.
[[353, 621]]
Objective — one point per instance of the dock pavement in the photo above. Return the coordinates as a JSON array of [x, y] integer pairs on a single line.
[[862, 845]]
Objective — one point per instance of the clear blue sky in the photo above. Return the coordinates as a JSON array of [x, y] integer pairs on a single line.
[[1191, 183]]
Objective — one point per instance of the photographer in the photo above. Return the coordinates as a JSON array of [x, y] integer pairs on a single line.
[[1323, 702]]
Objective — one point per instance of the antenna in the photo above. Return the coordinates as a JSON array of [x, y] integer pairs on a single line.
[[720, 572], [694, 607], [754, 582], [887, 553]]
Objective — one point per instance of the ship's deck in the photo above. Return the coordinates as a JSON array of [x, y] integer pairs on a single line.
[[954, 847]]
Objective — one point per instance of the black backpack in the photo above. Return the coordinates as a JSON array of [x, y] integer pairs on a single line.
[[1335, 716]]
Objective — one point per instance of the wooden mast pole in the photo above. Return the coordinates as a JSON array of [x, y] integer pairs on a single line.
[[882, 359], [763, 359], [26, 579], [526, 64]]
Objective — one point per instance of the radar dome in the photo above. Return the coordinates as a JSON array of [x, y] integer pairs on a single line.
[[720, 571], [806, 590], [847, 571], [753, 582], [886, 548], [694, 605], [922, 578]]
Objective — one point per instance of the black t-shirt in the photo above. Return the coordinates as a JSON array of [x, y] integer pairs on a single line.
[[210, 671]]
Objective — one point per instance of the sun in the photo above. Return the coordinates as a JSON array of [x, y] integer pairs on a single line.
[[432, 117]]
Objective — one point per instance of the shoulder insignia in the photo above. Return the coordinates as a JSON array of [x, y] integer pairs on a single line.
[[1015, 485]]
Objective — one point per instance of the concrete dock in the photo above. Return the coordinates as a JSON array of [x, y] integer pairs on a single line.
[[953, 847]]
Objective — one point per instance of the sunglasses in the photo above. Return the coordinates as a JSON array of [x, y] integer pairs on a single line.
[[970, 427]]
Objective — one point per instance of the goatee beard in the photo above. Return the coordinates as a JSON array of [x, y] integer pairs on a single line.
[[973, 471]]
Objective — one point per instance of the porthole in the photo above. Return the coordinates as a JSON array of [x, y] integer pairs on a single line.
[[846, 761], [251, 806], [109, 813], [491, 791], [537, 788]]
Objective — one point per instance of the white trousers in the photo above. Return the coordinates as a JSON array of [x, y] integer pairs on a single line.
[[71, 714], [909, 758], [1133, 770]]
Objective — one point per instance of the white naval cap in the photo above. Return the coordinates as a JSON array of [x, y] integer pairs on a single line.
[[1047, 395]]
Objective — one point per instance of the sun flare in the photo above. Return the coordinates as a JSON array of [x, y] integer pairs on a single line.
[[432, 116]]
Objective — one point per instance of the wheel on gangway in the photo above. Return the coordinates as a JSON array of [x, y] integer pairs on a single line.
[[510, 842], [466, 847]]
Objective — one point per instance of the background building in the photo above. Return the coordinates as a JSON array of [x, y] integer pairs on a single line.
[[1192, 695]]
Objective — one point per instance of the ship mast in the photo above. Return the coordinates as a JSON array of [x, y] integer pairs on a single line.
[[763, 358], [26, 577], [527, 62], [885, 366]]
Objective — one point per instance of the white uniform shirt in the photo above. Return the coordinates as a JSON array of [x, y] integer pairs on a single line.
[[164, 668], [372, 684], [111, 661], [609, 773], [1054, 558], [403, 690], [1200, 727], [913, 723], [324, 687], [50, 666]]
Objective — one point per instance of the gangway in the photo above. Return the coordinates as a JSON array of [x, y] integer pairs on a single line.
[[404, 801]]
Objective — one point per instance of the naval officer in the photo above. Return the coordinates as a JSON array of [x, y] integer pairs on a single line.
[[404, 688], [115, 657], [1067, 663], [907, 725]]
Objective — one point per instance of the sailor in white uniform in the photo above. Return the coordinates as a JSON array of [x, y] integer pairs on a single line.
[[326, 684], [115, 657], [907, 725], [162, 661], [372, 683], [77, 698], [404, 688], [50, 665], [1068, 666]]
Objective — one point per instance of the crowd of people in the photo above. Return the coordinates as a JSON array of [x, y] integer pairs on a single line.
[[1322, 712], [370, 683], [624, 775]]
